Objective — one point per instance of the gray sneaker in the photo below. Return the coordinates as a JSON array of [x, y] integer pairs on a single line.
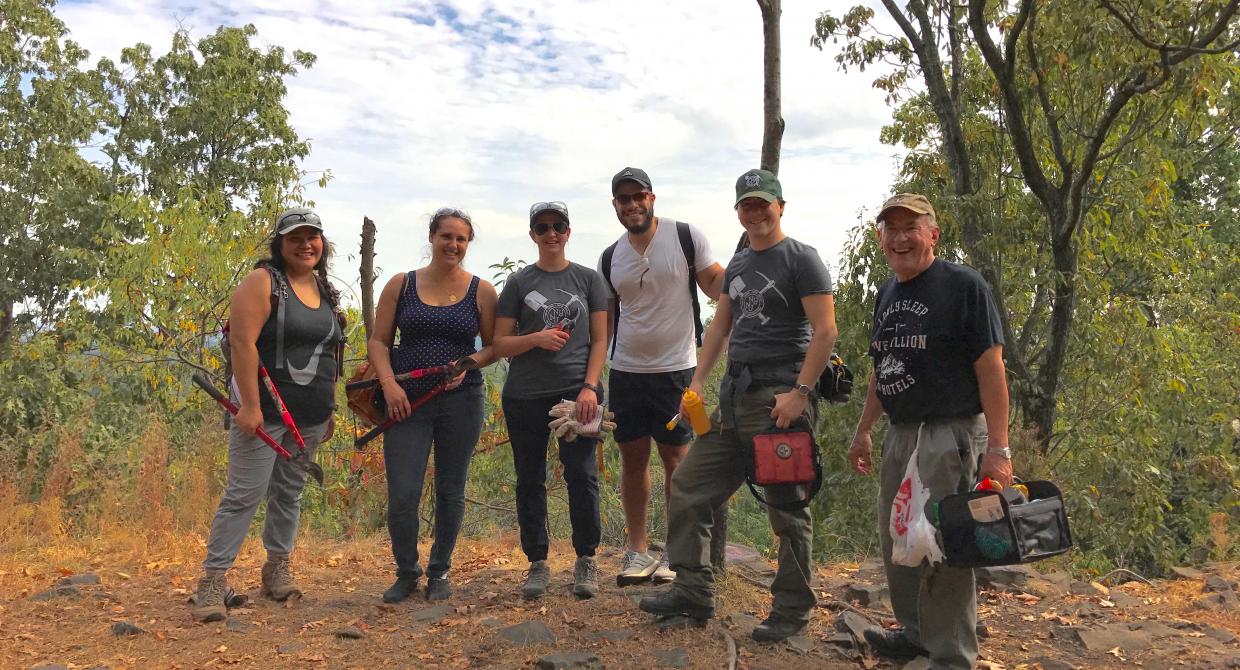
[[536, 580], [210, 599], [638, 566], [585, 577], [664, 573]]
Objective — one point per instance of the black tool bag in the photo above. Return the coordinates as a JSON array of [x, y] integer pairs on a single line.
[[982, 529]]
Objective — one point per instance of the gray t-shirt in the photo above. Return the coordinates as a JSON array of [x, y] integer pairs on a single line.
[[538, 300], [766, 287]]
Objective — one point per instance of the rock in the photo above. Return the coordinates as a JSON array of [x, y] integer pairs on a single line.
[[48, 666], [853, 624], [350, 633], [528, 633], [868, 595], [1091, 589], [67, 591], [800, 644], [235, 625], [679, 623], [1003, 577], [743, 623], [1221, 634], [1232, 663], [672, 658], [1214, 584], [1110, 637], [618, 635], [1154, 628], [739, 553], [84, 579], [1124, 600], [120, 628], [432, 614], [1048, 663], [1188, 573], [655, 545], [919, 663], [1221, 601], [872, 569], [1046, 589], [492, 622], [983, 631], [572, 659], [290, 648]]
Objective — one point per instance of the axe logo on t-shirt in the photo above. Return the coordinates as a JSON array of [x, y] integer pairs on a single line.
[[552, 312], [749, 301], [901, 327]]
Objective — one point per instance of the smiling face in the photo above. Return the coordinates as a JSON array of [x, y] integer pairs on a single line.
[[634, 206], [759, 217], [908, 240], [450, 240], [543, 232], [301, 248]]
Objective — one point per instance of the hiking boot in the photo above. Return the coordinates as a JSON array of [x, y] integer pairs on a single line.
[[893, 644], [674, 602], [663, 574], [585, 577], [210, 600], [536, 580], [776, 629], [438, 588], [278, 582], [638, 566], [402, 588]]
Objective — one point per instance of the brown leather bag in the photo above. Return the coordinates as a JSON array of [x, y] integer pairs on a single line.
[[366, 403]]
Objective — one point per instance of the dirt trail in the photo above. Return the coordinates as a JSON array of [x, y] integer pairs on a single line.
[[1050, 623]]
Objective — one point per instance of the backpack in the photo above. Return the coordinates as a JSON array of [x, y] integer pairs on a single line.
[[686, 246]]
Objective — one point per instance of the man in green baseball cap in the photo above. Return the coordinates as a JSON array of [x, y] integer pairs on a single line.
[[758, 184]]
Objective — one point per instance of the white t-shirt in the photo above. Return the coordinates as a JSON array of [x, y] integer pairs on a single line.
[[655, 333]]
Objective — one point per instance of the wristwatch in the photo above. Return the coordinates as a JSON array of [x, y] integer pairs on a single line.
[[590, 386], [1005, 452], [804, 389]]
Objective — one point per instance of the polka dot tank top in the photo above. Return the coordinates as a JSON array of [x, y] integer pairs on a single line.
[[433, 335]]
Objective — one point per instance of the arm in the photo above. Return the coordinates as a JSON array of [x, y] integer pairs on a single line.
[[820, 310], [992, 387], [508, 343], [486, 323], [587, 400], [379, 348], [710, 280], [250, 309], [862, 444], [713, 344]]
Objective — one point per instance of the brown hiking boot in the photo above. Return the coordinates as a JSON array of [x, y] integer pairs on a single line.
[[277, 580], [210, 600]]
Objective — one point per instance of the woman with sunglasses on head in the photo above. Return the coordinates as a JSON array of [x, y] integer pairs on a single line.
[[283, 318], [439, 311], [552, 322]]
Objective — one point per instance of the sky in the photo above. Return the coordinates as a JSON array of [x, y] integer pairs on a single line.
[[491, 106]]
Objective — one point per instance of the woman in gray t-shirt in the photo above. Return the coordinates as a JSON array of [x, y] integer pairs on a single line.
[[551, 321]]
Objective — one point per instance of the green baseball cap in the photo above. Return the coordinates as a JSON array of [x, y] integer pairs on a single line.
[[758, 184]]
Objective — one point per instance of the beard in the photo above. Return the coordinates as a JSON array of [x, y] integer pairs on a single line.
[[641, 226]]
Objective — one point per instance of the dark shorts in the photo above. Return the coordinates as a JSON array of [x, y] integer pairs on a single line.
[[643, 402]]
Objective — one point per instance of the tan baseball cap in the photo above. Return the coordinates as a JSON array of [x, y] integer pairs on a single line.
[[910, 201]]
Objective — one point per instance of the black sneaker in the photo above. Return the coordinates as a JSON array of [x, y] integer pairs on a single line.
[[776, 629], [402, 588], [674, 602], [438, 588], [893, 644]]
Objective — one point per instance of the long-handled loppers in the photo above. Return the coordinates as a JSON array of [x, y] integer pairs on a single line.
[[449, 372]]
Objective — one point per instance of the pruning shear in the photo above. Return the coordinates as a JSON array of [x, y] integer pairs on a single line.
[[300, 460], [449, 372]]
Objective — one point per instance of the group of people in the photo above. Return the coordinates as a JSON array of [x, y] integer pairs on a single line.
[[936, 344]]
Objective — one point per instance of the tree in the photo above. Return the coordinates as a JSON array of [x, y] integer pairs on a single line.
[[1071, 105], [772, 115], [50, 194]]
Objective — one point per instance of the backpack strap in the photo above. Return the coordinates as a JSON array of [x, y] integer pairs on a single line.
[[605, 265], [279, 296], [686, 246]]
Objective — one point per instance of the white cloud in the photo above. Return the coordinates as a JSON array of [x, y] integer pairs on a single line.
[[493, 105]]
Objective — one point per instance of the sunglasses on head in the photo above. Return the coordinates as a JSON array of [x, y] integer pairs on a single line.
[[640, 196], [299, 217], [542, 227]]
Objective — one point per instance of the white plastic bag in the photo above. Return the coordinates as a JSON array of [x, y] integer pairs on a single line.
[[912, 534]]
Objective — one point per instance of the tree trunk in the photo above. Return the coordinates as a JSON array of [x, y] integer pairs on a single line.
[[368, 274], [6, 324], [772, 114]]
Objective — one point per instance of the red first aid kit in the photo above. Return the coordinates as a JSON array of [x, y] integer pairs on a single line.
[[786, 463]]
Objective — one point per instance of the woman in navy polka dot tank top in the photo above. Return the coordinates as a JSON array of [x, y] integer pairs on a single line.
[[439, 311]]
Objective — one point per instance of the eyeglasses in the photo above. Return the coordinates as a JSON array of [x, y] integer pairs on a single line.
[[542, 228], [640, 196], [300, 217]]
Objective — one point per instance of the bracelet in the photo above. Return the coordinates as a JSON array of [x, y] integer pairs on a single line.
[[592, 387]]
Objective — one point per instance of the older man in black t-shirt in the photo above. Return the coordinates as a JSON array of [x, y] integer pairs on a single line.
[[937, 346]]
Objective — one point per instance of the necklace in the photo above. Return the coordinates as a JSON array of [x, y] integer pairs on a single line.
[[452, 297]]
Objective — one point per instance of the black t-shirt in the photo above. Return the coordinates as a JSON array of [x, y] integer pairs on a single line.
[[928, 331]]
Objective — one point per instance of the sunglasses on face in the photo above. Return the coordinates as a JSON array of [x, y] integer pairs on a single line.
[[542, 228], [632, 197]]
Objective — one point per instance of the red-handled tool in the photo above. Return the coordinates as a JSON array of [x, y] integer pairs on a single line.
[[450, 371], [285, 416]]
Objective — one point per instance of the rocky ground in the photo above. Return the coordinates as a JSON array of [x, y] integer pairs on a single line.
[[135, 616]]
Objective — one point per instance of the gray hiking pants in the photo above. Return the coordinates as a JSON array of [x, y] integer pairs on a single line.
[[713, 469], [937, 605], [255, 472]]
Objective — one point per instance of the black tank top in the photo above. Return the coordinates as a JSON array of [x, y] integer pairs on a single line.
[[306, 377]]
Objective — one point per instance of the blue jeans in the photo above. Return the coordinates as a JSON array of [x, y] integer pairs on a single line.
[[527, 420], [451, 423]]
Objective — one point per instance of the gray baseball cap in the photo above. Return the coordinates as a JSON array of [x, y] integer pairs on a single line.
[[636, 175], [550, 206], [296, 217]]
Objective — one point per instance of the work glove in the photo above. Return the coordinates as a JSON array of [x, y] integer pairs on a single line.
[[565, 426]]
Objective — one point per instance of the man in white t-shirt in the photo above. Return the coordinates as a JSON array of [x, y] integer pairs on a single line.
[[655, 331]]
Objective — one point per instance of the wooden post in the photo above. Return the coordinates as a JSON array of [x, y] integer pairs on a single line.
[[368, 274]]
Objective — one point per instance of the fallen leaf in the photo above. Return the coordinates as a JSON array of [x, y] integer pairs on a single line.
[[221, 649]]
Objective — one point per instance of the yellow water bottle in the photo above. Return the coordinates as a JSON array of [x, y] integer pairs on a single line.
[[696, 411]]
